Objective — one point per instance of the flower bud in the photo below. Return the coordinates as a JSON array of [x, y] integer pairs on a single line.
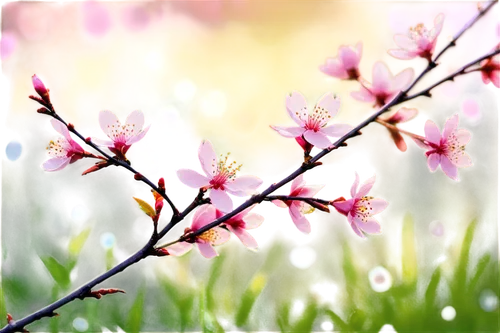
[[40, 88]]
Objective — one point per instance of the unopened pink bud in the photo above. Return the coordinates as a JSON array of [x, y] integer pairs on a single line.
[[40, 88]]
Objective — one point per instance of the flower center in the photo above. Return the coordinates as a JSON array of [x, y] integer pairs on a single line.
[[317, 119], [418, 31], [226, 172], [210, 236], [59, 148], [363, 209], [121, 133], [452, 148]]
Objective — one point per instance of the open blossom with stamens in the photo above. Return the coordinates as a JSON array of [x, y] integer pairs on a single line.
[[297, 208], [345, 65], [207, 240], [240, 223], [385, 86], [401, 116], [63, 151], [313, 126], [446, 149], [361, 208], [418, 42], [220, 178], [122, 136]]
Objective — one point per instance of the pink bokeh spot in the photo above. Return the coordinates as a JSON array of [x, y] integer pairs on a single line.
[[96, 18], [33, 24], [470, 109], [136, 17], [8, 44]]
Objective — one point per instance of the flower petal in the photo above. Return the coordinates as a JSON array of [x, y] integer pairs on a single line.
[[101, 142], [207, 250], [450, 126], [354, 226], [289, 132], [438, 25], [192, 178], [330, 103], [138, 136], [61, 128], [354, 187], [108, 121], [296, 105], [203, 216], [178, 249], [337, 130], [221, 236], [221, 200], [432, 133], [317, 139], [371, 226], [56, 164], [297, 183], [135, 121], [405, 42], [464, 161], [433, 160], [244, 237], [299, 219], [363, 95], [421, 143], [449, 168], [279, 203], [382, 77], [309, 190], [402, 80], [402, 115], [343, 207], [401, 54], [243, 185], [377, 205], [333, 67], [349, 57], [365, 187], [208, 158], [463, 136], [253, 220]]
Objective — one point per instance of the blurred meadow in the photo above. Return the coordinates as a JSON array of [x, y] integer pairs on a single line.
[[220, 70]]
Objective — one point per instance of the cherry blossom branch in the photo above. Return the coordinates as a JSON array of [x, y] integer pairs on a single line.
[[149, 248], [114, 161], [314, 161]]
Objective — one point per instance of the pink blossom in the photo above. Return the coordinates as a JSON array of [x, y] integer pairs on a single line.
[[297, 208], [122, 136], [220, 178], [447, 149], [418, 42], [206, 241], [40, 88], [240, 223], [490, 70], [401, 116], [385, 86], [313, 126], [63, 151], [361, 208], [345, 65]]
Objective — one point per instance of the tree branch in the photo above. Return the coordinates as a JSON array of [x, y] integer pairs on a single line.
[[148, 248]]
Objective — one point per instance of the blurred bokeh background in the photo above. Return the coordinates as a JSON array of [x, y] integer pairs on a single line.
[[220, 70]]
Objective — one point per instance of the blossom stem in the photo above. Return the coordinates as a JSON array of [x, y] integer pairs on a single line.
[[395, 128], [293, 198], [147, 250]]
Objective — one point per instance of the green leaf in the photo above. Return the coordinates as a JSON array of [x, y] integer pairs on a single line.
[[76, 243], [145, 207], [3, 308], [215, 272], [338, 323], [283, 316], [134, 319], [431, 292], [461, 270], [409, 256], [306, 321], [248, 298], [480, 268], [59, 273]]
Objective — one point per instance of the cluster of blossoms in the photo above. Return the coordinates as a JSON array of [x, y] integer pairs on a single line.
[[214, 218], [312, 129]]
